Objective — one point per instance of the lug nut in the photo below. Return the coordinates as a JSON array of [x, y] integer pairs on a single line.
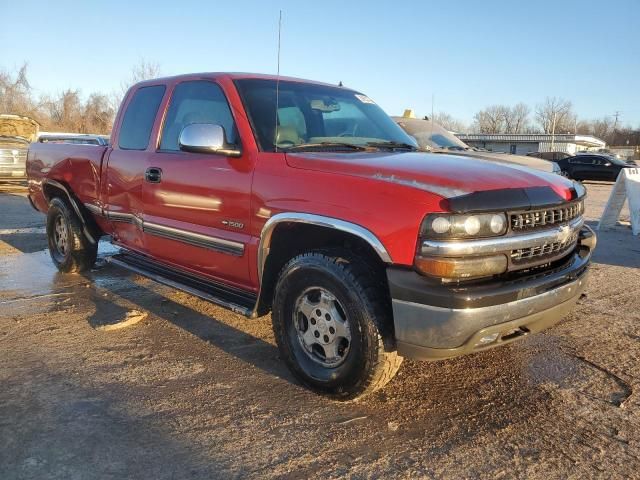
[[326, 338], [316, 334], [318, 313], [327, 317], [332, 330], [313, 321]]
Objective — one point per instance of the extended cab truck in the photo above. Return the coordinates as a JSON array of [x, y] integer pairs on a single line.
[[305, 199]]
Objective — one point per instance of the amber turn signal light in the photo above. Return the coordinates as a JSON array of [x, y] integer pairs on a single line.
[[461, 268]]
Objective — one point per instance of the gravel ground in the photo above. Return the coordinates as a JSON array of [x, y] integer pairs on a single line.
[[190, 390]]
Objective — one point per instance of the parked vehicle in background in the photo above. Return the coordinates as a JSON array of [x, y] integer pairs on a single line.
[[434, 138], [607, 153], [77, 138], [262, 193], [551, 156], [16, 132], [593, 167]]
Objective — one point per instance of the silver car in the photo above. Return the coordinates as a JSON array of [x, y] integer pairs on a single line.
[[434, 138]]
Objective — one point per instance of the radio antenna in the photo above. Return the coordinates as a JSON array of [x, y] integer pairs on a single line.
[[275, 129], [433, 99]]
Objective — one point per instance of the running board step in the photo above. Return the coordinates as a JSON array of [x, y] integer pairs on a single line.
[[234, 299]]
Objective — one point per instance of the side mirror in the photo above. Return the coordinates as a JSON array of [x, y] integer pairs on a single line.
[[206, 138]]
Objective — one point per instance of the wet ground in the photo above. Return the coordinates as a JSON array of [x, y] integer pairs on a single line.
[[190, 390]]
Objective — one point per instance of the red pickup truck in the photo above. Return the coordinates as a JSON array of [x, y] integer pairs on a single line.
[[303, 199]]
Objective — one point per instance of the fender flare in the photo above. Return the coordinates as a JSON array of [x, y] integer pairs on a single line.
[[311, 219], [320, 221], [74, 205]]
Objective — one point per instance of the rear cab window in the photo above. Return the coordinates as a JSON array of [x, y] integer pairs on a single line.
[[139, 118]]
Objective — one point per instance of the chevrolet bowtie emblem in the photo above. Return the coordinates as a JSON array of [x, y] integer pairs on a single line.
[[564, 233]]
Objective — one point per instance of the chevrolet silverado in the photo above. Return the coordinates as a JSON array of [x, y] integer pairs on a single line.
[[271, 194]]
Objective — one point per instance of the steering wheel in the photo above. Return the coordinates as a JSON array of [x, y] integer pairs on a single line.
[[349, 134]]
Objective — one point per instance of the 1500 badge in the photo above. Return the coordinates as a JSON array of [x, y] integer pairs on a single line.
[[233, 224]]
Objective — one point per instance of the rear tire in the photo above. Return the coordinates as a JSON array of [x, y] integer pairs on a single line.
[[330, 317], [69, 247]]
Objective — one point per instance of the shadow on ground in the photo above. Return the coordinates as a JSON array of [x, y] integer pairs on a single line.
[[616, 246]]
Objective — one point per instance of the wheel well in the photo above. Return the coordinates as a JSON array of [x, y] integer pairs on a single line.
[[51, 191], [90, 227], [291, 239]]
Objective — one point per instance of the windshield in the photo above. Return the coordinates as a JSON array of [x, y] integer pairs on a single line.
[[317, 115], [616, 161]]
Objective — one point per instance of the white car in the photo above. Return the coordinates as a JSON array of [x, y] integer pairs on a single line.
[[434, 138]]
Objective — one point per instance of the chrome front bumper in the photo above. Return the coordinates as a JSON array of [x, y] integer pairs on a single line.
[[434, 322]]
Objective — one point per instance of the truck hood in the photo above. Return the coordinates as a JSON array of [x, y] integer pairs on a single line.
[[446, 175], [531, 162]]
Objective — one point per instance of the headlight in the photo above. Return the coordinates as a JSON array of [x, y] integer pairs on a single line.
[[447, 226], [580, 190]]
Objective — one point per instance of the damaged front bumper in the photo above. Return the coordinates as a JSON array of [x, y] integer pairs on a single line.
[[434, 321]]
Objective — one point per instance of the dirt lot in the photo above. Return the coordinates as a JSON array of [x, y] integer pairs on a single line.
[[193, 391]]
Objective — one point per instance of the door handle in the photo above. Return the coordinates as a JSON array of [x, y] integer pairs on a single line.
[[153, 175]]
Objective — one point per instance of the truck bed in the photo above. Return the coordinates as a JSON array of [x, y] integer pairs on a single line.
[[78, 167]]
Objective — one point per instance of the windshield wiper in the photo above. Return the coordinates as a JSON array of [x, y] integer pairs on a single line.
[[323, 146], [392, 145]]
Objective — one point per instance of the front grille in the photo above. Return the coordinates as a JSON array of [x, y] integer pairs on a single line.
[[544, 251], [7, 156], [547, 217]]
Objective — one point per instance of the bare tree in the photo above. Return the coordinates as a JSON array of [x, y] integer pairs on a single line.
[[143, 70], [491, 119], [603, 128], [516, 118], [64, 111], [450, 123], [583, 127], [15, 93], [555, 115], [98, 114], [503, 119]]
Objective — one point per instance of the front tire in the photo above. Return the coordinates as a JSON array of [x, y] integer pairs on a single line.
[[69, 247], [331, 316]]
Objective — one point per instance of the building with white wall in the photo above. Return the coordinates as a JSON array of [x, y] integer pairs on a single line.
[[521, 144]]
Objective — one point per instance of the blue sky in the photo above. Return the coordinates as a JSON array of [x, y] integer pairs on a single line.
[[469, 54]]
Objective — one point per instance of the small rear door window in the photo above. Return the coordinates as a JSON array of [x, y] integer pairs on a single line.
[[139, 117]]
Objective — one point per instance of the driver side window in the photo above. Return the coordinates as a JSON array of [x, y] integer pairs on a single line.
[[196, 102]]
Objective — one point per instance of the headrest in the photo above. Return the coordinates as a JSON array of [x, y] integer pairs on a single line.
[[287, 134]]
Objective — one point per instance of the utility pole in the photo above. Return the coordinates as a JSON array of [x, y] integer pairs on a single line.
[[553, 133], [615, 122]]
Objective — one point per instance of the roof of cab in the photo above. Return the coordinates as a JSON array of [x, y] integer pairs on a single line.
[[231, 76]]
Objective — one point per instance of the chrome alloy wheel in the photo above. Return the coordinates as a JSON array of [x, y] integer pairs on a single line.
[[61, 235], [322, 327]]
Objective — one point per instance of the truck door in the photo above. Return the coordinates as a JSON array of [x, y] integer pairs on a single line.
[[196, 205], [126, 166]]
